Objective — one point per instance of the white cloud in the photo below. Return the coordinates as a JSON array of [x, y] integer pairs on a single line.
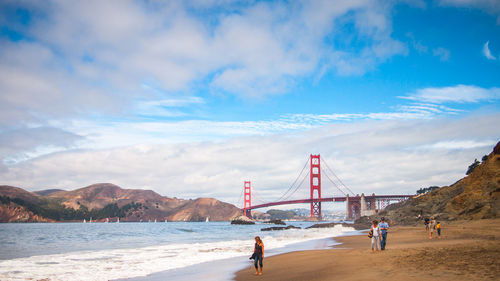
[[102, 133], [33, 90], [123, 133], [93, 57], [442, 53], [167, 107], [459, 144], [487, 52], [26, 143], [417, 45], [381, 156], [455, 94], [427, 110]]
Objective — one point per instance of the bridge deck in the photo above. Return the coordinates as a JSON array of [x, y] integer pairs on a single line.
[[330, 199]]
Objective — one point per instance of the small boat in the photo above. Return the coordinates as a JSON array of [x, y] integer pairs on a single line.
[[117, 220], [166, 220], [107, 220], [84, 221], [207, 220], [155, 220]]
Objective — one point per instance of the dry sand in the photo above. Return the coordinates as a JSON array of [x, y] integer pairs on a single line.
[[468, 250]]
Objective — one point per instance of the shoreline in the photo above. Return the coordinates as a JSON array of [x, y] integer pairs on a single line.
[[224, 269], [131, 254], [468, 249]]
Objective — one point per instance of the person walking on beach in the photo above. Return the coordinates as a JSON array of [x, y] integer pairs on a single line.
[[259, 254], [384, 226], [375, 235], [438, 228], [432, 227], [426, 222]]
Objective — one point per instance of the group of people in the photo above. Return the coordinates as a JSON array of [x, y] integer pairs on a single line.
[[432, 226], [378, 234]]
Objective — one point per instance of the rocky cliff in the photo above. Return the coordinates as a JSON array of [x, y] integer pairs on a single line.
[[107, 201], [476, 196], [16, 213]]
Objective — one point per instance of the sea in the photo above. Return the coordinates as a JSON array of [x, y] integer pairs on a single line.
[[145, 251]]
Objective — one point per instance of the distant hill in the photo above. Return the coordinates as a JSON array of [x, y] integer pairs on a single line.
[[107, 201], [15, 205], [202, 208], [16, 192], [476, 196], [47, 191]]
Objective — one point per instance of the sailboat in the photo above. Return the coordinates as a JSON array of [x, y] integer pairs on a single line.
[[155, 220], [117, 220], [84, 221], [207, 220], [166, 220], [107, 220]]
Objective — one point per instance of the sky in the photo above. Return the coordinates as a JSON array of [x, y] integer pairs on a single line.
[[192, 98]]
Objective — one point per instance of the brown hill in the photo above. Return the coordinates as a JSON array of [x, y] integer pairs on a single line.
[[99, 195], [107, 200], [476, 196], [480, 198], [14, 212], [16, 192], [203, 208], [47, 192]]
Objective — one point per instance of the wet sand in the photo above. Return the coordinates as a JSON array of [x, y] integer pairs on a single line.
[[468, 250]]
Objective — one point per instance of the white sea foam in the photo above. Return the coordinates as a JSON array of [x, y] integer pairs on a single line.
[[123, 263]]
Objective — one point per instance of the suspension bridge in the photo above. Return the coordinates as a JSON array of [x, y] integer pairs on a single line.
[[356, 205]]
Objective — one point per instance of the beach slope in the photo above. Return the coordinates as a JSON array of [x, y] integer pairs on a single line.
[[468, 250]]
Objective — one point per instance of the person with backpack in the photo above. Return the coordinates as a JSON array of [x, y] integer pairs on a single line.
[[375, 235]]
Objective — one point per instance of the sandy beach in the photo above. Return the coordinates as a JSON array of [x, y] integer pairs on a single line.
[[468, 250]]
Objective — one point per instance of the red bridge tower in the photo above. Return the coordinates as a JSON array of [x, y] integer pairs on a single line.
[[315, 186], [248, 200]]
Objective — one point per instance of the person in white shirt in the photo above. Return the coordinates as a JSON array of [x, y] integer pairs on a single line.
[[376, 236], [432, 227]]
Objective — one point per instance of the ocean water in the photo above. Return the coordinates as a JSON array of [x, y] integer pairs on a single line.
[[106, 251]]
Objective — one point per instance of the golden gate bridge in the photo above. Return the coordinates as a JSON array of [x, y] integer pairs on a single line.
[[356, 205]]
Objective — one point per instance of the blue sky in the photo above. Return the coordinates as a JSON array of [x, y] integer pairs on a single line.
[[169, 86]]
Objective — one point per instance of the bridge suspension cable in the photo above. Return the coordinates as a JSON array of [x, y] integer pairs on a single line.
[[257, 197], [296, 188], [239, 199], [331, 171], [334, 184], [294, 182]]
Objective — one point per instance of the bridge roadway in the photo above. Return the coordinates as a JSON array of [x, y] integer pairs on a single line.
[[332, 199]]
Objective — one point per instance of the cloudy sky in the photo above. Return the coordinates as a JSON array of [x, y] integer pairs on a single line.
[[191, 98]]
